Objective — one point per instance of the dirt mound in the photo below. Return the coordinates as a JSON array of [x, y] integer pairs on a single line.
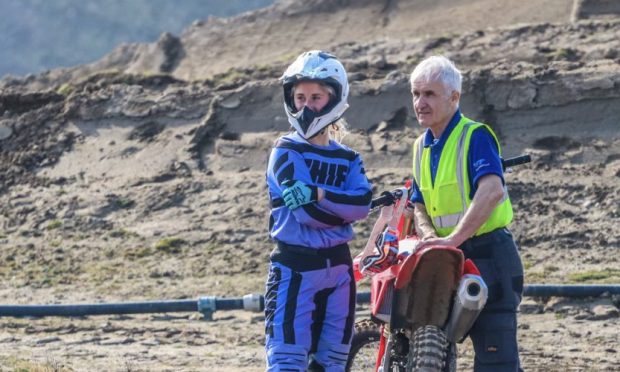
[[141, 176]]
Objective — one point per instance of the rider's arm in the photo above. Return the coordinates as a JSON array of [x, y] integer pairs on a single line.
[[353, 202], [285, 164]]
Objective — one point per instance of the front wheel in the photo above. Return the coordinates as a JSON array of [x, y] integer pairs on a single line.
[[364, 346], [430, 351]]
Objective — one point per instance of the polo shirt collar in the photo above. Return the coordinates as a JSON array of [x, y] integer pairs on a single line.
[[430, 140]]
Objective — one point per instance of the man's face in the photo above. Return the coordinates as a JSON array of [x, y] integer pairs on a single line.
[[433, 103]]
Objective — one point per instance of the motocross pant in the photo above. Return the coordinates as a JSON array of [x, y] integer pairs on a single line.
[[309, 308], [494, 334]]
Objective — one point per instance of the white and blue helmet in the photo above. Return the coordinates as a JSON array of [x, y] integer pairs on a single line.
[[319, 67]]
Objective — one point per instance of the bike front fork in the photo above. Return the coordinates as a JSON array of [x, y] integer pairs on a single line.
[[395, 352]]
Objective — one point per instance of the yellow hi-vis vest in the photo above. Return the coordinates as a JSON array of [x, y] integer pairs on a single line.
[[447, 200]]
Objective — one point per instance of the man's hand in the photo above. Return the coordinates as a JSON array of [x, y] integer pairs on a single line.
[[298, 193], [450, 240], [426, 242]]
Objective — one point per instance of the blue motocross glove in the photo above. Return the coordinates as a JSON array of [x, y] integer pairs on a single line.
[[298, 193]]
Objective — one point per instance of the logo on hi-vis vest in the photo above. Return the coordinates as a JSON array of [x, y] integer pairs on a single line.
[[330, 174]]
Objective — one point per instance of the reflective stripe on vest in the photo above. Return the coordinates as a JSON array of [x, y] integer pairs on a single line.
[[449, 221]]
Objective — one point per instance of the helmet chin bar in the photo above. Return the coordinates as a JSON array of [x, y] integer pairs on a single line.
[[306, 117], [319, 132], [323, 129]]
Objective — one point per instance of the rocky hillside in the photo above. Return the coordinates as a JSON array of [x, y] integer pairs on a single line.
[[142, 175]]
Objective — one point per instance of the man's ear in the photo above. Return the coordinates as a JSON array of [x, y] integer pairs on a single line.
[[455, 97]]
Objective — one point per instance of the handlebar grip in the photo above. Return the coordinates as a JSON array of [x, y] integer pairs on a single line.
[[382, 201], [386, 198], [518, 160]]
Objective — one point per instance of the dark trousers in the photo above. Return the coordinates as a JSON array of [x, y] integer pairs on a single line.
[[494, 334]]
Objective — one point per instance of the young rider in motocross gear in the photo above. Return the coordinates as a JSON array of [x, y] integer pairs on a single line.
[[461, 201], [317, 188]]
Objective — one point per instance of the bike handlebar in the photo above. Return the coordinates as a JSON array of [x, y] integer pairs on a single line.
[[517, 160], [388, 197]]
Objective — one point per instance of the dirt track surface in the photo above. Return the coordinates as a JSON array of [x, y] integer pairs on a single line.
[[141, 176]]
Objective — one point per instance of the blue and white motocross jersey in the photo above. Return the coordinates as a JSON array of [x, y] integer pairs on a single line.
[[335, 168]]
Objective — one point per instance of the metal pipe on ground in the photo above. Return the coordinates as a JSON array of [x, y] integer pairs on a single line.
[[206, 305], [252, 302], [99, 309]]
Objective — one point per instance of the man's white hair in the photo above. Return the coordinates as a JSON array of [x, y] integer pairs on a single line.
[[438, 68]]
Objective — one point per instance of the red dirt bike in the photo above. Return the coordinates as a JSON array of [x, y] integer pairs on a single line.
[[423, 302]]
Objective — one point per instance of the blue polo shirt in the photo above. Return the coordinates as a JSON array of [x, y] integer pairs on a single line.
[[483, 157]]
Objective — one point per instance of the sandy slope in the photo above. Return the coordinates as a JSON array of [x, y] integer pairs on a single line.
[[139, 186]]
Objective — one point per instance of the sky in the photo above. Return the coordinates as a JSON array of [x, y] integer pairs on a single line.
[[36, 35]]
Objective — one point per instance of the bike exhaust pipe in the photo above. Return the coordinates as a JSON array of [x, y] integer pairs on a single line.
[[471, 296]]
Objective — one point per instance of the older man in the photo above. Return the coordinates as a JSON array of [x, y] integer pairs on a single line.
[[460, 200]]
